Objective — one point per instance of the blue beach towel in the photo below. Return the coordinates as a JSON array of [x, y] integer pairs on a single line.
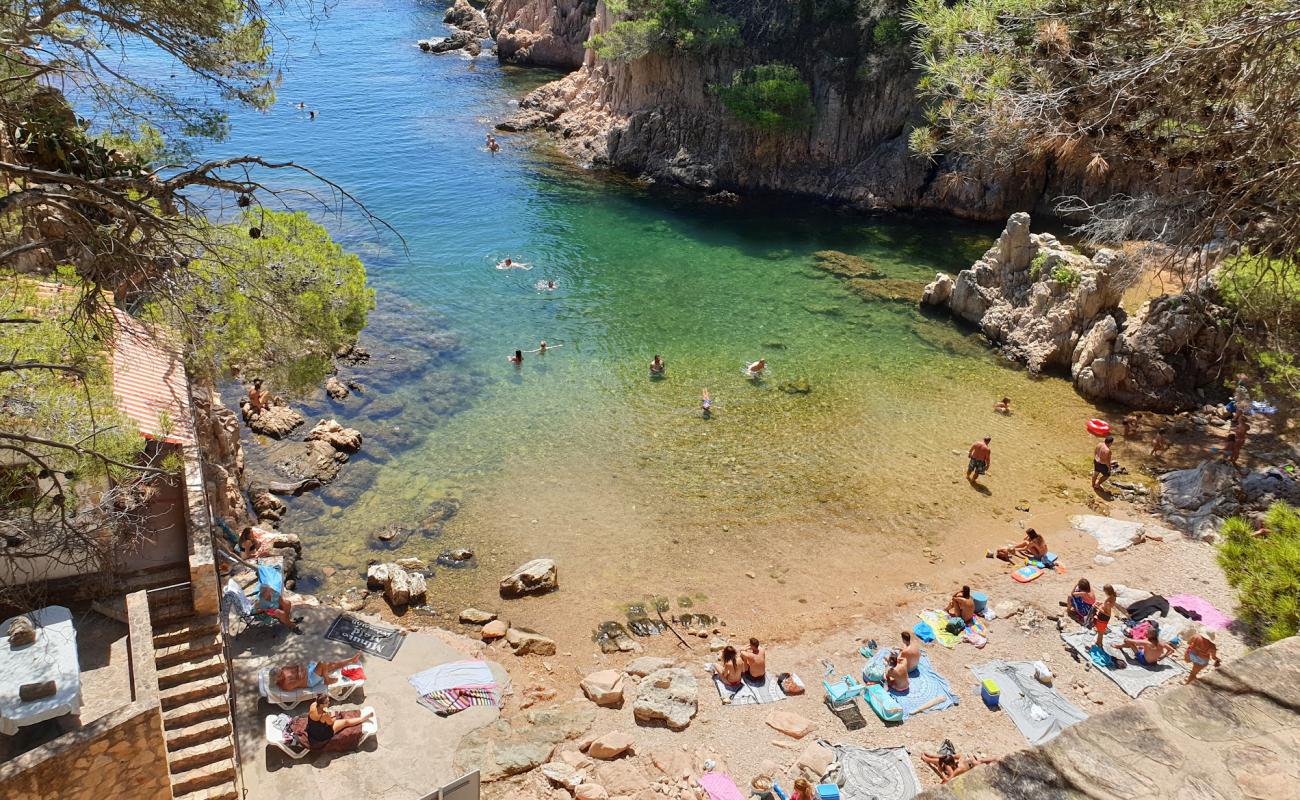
[[927, 689]]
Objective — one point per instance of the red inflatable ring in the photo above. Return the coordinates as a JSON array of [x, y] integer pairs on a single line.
[[1098, 427]]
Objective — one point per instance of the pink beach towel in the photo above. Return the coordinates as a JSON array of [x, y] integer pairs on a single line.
[[1211, 617], [720, 786]]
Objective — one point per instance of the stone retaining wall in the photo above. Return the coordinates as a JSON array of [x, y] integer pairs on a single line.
[[122, 755]]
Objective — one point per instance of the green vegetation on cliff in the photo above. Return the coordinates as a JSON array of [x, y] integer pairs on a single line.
[[650, 25], [773, 97], [1265, 293], [1264, 571]]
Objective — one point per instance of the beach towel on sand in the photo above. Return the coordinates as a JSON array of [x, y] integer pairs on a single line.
[[882, 774], [720, 786], [1040, 712], [1210, 616], [751, 692], [976, 633], [1134, 678], [927, 690], [449, 688]]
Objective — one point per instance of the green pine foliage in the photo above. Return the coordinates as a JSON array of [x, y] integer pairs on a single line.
[[1265, 571], [278, 305], [772, 97], [665, 25]]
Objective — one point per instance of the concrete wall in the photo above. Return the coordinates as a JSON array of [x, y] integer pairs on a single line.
[[122, 755]]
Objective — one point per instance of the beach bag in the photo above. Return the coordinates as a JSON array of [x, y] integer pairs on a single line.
[[955, 625], [790, 684], [874, 672]]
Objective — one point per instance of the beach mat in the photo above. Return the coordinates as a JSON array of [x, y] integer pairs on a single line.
[[719, 786], [377, 640], [927, 689], [1202, 611], [882, 774], [1040, 712], [976, 632], [1134, 678], [751, 692], [848, 712], [449, 688]]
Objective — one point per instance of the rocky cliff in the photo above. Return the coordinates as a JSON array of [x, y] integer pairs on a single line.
[[1050, 307], [658, 117]]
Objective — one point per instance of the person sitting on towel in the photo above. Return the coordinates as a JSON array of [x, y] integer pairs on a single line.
[[949, 765], [962, 606], [730, 669], [1081, 600], [323, 726], [755, 660], [1148, 651], [1033, 546], [314, 675], [896, 676], [911, 652]]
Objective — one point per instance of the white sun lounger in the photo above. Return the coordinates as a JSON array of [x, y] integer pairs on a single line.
[[275, 735], [340, 690]]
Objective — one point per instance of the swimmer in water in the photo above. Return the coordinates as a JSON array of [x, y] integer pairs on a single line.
[[755, 370], [510, 263], [300, 104], [706, 404], [311, 115], [543, 347], [517, 358], [492, 145], [657, 367]]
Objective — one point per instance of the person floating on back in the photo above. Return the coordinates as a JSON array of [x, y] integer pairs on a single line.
[[980, 457]]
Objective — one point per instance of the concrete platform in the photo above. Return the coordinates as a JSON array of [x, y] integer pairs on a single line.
[[410, 757]]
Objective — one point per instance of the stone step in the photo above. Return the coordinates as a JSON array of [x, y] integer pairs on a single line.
[[198, 733], [198, 755], [185, 630], [190, 692], [222, 791], [198, 669], [201, 710], [188, 783], [195, 649]]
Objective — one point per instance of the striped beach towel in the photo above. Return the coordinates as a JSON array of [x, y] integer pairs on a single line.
[[449, 688], [449, 701]]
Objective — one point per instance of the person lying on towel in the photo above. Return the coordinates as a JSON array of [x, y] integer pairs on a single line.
[[322, 729], [315, 675]]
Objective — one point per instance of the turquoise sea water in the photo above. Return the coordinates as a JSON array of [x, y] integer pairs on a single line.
[[577, 454]]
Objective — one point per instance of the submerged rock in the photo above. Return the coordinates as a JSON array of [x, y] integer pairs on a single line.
[[612, 637], [535, 577], [335, 388], [347, 440], [844, 265]]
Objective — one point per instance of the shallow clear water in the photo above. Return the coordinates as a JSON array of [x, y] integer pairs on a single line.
[[576, 454]]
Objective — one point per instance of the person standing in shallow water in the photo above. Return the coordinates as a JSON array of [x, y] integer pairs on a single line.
[[980, 456], [1101, 464], [517, 358]]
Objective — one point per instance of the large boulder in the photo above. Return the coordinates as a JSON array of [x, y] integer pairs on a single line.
[[1197, 500], [400, 588], [276, 421], [464, 16], [1114, 535], [524, 642], [669, 696], [643, 666], [536, 577], [604, 688], [335, 435], [459, 40], [611, 745], [1053, 308], [507, 748], [305, 464]]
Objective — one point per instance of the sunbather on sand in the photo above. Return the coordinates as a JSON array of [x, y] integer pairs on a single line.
[[961, 605], [312, 675], [729, 668], [1148, 651], [911, 652], [755, 660], [1033, 546], [896, 676], [948, 767]]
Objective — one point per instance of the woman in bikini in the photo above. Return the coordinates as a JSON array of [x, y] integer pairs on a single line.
[[1081, 601], [322, 726], [729, 668], [1201, 650]]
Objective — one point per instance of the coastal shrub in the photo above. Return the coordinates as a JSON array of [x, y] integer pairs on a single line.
[[888, 32], [1037, 265], [1065, 275], [663, 24], [1263, 570], [1265, 294], [279, 305], [769, 96]]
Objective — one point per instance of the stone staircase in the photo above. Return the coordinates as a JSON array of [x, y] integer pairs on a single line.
[[195, 699]]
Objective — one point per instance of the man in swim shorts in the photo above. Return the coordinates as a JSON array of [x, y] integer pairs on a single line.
[[1101, 463], [911, 652], [755, 660], [980, 457], [1148, 651], [1201, 650]]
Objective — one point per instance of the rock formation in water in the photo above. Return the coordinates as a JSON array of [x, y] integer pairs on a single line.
[[660, 116], [1050, 307]]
